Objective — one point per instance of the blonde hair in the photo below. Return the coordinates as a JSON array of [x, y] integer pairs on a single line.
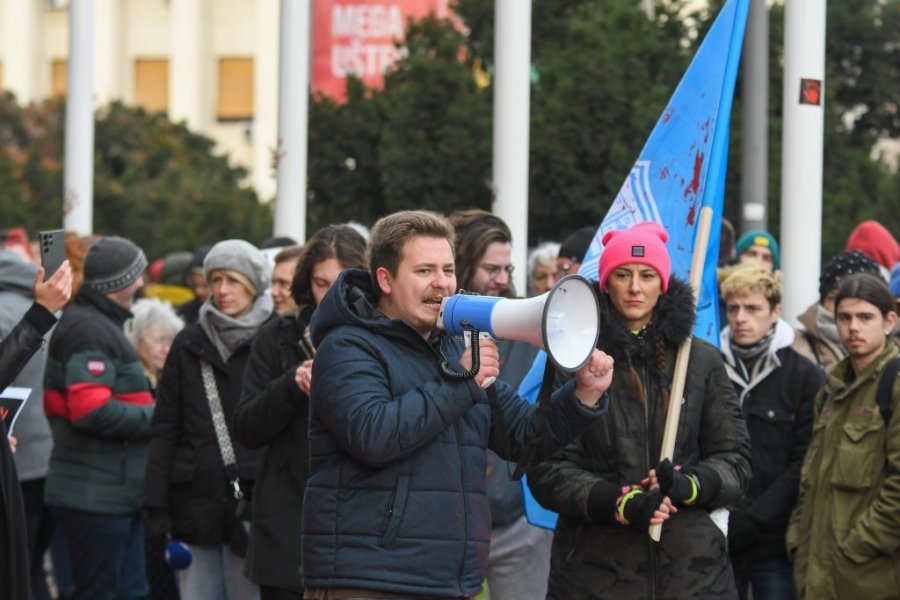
[[752, 278]]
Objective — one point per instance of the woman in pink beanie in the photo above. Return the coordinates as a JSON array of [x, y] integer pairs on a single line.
[[608, 486]]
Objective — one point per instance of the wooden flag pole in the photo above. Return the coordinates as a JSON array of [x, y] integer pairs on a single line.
[[684, 351]]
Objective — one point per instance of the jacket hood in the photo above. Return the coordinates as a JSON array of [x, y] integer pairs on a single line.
[[673, 320], [350, 301], [808, 320], [16, 275]]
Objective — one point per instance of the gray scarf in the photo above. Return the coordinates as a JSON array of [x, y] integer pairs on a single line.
[[749, 355], [828, 328], [227, 333]]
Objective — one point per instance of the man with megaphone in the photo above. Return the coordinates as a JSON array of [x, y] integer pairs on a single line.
[[395, 504]]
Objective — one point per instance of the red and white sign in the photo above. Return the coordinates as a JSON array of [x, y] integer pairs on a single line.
[[358, 37]]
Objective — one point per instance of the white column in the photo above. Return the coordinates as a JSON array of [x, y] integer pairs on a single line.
[[265, 101], [802, 143], [293, 106], [512, 105], [109, 55], [189, 67], [78, 209], [23, 49]]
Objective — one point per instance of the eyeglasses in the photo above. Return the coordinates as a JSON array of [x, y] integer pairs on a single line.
[[493, 271]]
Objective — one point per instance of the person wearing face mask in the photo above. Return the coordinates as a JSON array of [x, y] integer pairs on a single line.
[[190, 492], [273, 413], [817, 339], [608, 485]]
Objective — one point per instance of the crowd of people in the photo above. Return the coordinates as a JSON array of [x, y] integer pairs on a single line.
[[290, 422]]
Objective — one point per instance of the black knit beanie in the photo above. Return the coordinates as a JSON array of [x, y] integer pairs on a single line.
[[841, 265], [576, 245], [113, 263]]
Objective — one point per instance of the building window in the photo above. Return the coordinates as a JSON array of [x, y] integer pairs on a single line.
[[58, 82], [151, 84], [235, 89]]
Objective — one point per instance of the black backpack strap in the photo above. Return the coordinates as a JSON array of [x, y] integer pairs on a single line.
[[885, 387]]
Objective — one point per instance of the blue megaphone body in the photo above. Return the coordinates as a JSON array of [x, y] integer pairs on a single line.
[[564, 322]]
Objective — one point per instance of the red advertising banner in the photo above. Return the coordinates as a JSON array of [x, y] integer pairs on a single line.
[[358, 37]]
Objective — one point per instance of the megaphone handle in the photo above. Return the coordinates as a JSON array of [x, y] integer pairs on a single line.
[[476, 364], [484, 335]]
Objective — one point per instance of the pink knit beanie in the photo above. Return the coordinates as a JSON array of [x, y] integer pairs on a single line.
[[644, 243]]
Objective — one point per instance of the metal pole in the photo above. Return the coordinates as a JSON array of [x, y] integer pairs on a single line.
[[512, 105], [78, 199], [755, 134], [293, 105], [801, 186]]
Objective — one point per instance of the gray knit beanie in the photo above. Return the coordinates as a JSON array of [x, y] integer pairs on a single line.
[[241, 257], [113, 263]]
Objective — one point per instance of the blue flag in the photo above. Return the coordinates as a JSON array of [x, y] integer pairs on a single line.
[[680, 170]]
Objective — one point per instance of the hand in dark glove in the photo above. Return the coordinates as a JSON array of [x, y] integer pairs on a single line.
[[742, 530], [680, 484], [157, 522], [640, 508]]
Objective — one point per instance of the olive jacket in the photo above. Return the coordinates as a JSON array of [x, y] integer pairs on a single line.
[[844, 533]]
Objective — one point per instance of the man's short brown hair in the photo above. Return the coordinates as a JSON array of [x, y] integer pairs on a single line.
[[390, 233]]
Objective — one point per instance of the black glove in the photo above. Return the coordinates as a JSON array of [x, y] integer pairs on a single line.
[[680, 484], [157, 522], [742, 530], [635, 507]]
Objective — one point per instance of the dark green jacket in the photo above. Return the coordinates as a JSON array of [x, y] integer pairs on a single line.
[[844, 535], [595, 557], [99, 406]]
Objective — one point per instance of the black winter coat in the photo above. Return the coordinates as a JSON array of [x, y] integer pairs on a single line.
[[185, 473], [274, 413], [595, 557], [778, 409]]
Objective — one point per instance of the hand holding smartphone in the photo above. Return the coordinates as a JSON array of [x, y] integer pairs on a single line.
[[53, 251]]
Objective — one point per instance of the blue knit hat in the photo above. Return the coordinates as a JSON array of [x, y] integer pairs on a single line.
[[760, 238]]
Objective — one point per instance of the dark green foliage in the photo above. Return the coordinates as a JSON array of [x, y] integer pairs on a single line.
[[154, 181], [862, 90]]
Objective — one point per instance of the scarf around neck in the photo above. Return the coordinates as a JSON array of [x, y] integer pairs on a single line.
[[749, 355], [828, 328], [227, 333]]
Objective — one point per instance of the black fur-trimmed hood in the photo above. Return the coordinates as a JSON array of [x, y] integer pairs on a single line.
[[673, 320]]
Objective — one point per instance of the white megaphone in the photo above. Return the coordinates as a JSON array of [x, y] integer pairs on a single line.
[[564, 322]]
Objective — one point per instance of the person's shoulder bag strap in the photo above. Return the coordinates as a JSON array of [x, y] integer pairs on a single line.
[[222, 435]]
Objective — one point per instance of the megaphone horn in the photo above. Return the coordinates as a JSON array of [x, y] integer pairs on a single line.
[[564, 322]]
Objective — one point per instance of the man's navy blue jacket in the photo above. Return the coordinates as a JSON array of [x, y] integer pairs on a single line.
[[396, 496]]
